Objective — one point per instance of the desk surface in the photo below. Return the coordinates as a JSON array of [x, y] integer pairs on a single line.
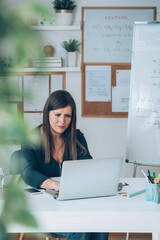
[[106, 214]]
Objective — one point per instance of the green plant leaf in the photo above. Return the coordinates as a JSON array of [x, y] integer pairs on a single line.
[[16, 207], [13, 129], [17, 44], [71, 46], [64, 4], [3, 231]]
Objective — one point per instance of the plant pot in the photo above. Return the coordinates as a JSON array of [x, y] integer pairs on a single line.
[[64, 17], [72, 59]]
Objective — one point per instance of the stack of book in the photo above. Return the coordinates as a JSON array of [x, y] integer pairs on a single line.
[[48, 62]]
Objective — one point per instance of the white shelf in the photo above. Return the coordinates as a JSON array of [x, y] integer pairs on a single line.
[[56, 28], [44, 70]]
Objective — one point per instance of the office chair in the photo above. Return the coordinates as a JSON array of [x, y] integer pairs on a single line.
[[16, 169]]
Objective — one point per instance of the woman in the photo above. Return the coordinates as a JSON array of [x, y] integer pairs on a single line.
[[60, 141]]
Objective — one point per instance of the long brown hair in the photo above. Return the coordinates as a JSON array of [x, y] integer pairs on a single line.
[[59, 99]]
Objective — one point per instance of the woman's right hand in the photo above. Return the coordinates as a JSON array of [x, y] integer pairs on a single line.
[[50, 184]]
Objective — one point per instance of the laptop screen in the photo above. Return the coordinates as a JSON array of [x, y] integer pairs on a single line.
[[89, 178]]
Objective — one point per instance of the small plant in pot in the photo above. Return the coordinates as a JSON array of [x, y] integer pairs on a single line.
[[72, 47], [64, 5], [64, 11]]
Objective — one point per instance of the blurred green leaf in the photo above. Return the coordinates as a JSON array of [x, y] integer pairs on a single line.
[[18, 43], [3, 231], [16, 208], [14, 130], [17, 40]]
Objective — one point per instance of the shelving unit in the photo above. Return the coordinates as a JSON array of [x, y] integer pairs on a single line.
[[53, 28], [42, 70], [56, 28]]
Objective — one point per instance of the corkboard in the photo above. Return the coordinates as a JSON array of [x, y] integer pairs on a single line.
[[102, 109], [91, 50]]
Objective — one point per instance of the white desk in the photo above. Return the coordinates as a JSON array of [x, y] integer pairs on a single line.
[[107, 214]]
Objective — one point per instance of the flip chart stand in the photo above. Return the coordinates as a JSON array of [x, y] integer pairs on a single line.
[[136, 164]]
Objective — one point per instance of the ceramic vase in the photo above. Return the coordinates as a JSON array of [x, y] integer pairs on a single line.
[[72, 59], [64, 17]]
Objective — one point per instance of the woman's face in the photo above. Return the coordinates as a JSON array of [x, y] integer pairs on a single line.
[[60, 119]]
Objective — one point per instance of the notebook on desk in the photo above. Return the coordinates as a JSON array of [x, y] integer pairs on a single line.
[[88, 178]]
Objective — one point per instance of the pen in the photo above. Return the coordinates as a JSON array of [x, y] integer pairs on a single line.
[[145, 175], [153, 175], [149, 173], [152, 181], [158, 179], [149, 177]]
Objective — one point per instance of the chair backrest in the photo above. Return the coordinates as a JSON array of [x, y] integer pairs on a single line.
[[15, 163]]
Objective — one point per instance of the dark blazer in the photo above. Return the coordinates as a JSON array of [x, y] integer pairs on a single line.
[[34, 168]]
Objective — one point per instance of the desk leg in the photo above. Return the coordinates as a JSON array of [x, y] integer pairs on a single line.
[[155, 236], [127, 236]]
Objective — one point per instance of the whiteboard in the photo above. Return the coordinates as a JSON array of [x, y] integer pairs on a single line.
[[143, 135], [108, 32]]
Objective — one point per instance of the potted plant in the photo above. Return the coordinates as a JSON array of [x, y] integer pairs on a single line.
[[15, 207], [64, 11], [72, 47]]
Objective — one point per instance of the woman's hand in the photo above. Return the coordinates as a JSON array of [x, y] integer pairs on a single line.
[[50, 184]]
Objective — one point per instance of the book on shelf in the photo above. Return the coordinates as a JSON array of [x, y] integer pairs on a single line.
[[48, 64], [49, 59]]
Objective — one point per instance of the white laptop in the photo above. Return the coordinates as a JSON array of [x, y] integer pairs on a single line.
[[88, 178]]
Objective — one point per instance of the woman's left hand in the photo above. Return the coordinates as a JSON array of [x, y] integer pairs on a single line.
[[50, 184]]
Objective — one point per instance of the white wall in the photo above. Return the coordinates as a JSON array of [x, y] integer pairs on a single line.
[[106, 137]]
